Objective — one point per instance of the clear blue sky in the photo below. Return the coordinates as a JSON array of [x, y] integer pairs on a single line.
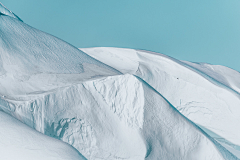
[[198, 31]]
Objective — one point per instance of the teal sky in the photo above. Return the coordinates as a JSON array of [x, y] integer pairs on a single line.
[[197, 31]]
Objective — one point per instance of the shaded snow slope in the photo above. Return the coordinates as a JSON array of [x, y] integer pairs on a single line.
[[117, 117], [212, 104], [33, 61], [17, 141]]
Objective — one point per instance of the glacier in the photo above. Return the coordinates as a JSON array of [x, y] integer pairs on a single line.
[[62, 102]]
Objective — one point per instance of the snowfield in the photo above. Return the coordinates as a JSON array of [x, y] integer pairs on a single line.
[[58, 102]]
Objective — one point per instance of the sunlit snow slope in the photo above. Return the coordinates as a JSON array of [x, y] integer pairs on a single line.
[[110, 103], [206, 94]]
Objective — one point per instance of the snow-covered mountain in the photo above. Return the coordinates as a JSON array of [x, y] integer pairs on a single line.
[[110, 103]]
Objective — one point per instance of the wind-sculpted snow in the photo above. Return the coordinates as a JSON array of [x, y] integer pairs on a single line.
[[212, 104], [110, 103], [224, 75], [117, 117], [82, 117], [38, 61], [17, 141]]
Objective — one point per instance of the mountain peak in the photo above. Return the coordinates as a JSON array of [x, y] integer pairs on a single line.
[[6, 12]]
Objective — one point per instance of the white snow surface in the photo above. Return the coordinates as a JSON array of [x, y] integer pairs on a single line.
[[110, 103], [18, 141], [206, 94], [29, 55]]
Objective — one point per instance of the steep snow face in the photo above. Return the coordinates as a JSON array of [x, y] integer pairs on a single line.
[[117, 117], [33, 61], [100, 118], [175, 133], [18, 141], [208, 97]]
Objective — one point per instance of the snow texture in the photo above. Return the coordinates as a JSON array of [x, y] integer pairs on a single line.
[[206, 94], [19, 141], [110, 103]]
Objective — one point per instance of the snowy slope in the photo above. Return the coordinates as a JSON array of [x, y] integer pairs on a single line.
[[224, 75], [86, 115], [110, 103], [21, 142], [208, 97], [38, 61]]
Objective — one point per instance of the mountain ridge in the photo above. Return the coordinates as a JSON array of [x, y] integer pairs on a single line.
[[111, 103]]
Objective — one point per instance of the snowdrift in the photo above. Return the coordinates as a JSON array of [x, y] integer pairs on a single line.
[[206, 94], [60, 102], [18, 141], [29, 55]]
